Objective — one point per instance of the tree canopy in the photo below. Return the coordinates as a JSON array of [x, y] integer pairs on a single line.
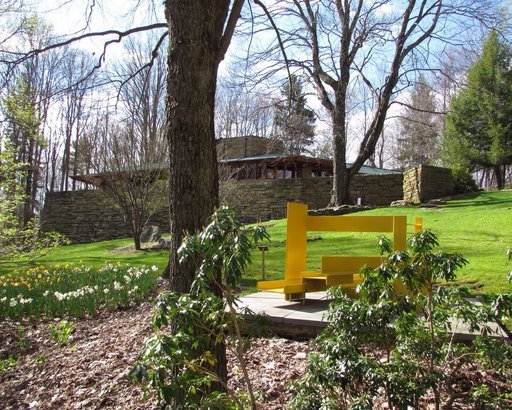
[[478, 131], [295, 123], [420, 128]]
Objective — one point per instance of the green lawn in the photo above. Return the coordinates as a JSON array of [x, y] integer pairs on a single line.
[[479, 227], [96, 254]]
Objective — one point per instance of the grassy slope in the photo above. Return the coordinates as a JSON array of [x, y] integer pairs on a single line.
[[479, 227], [96, 254]]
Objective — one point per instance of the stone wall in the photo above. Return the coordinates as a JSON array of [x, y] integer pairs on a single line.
[[260, 200], [427, 182], [89, 216]]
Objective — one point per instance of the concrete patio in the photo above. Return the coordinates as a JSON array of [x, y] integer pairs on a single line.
[[297, 320]]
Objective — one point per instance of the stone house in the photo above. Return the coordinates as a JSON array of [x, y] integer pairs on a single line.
[[256, 179]]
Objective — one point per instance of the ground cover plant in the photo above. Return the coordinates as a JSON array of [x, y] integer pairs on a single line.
[[73, 290], [96, 254], [399, 348]]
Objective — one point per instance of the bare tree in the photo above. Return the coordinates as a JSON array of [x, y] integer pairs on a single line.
[[142, 99], [133, 172], [74, 111], [380, 44], [240, 112], [26, 105]]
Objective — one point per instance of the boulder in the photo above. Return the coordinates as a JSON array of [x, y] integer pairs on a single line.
[[150, 233], [339, 210], [401, 203]]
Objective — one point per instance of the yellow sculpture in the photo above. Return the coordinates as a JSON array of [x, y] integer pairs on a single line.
[[336, 270]]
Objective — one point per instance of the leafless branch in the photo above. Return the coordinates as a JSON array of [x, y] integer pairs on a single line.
[[234, 15], [120, 35]]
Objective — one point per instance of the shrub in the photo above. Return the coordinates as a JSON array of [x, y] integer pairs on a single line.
[[399, 349], [181, 366], [463, 181]]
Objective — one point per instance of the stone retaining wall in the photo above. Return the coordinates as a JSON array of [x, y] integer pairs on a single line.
[[427, 182], [90, 216], [261, 200]]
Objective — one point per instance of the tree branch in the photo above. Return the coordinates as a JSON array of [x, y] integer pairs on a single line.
[[120, 35], [230, 28]]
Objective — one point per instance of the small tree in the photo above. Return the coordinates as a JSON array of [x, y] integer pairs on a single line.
[[418, 143], [294, 122], [134, 174], [183, 363]]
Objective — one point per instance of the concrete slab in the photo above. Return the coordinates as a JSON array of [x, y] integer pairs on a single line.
[[292, 319]]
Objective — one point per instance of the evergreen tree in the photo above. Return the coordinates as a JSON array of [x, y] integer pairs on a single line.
[[294, 123], [419, 128], [478, 127]]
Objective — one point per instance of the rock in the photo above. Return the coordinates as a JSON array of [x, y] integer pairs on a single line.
[[401, 203], [162, 244], [339, 210], [150, 233]]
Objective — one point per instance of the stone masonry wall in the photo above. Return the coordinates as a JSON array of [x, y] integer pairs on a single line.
[[260, 200], [247, 147], [89, 216], [427, 182]]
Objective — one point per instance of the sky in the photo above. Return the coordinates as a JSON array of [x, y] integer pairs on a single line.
[[77, 17]]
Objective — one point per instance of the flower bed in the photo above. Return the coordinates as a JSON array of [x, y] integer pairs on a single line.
[[73, 290]]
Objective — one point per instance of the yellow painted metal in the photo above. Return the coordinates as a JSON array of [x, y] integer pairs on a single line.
[[296, 241], [399, 233], [271, 284], [350, 223], [348, 264], [418, 224], [336, 270]]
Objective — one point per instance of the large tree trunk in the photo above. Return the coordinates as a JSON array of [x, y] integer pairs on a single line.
[[499, 175], [192, 65], [341, 175], [195, 35]]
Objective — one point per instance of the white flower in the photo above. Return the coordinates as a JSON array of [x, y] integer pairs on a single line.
[[13, 302], [105, 291], [46, 293], [4, 299], [154, 268], [117, 286], [127, 279], [60, 296]]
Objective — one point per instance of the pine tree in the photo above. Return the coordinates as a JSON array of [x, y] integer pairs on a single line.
[[294, 123], [478, 127], [419, 128]]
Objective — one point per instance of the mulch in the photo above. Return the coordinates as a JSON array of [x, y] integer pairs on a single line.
[[91, 371]]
